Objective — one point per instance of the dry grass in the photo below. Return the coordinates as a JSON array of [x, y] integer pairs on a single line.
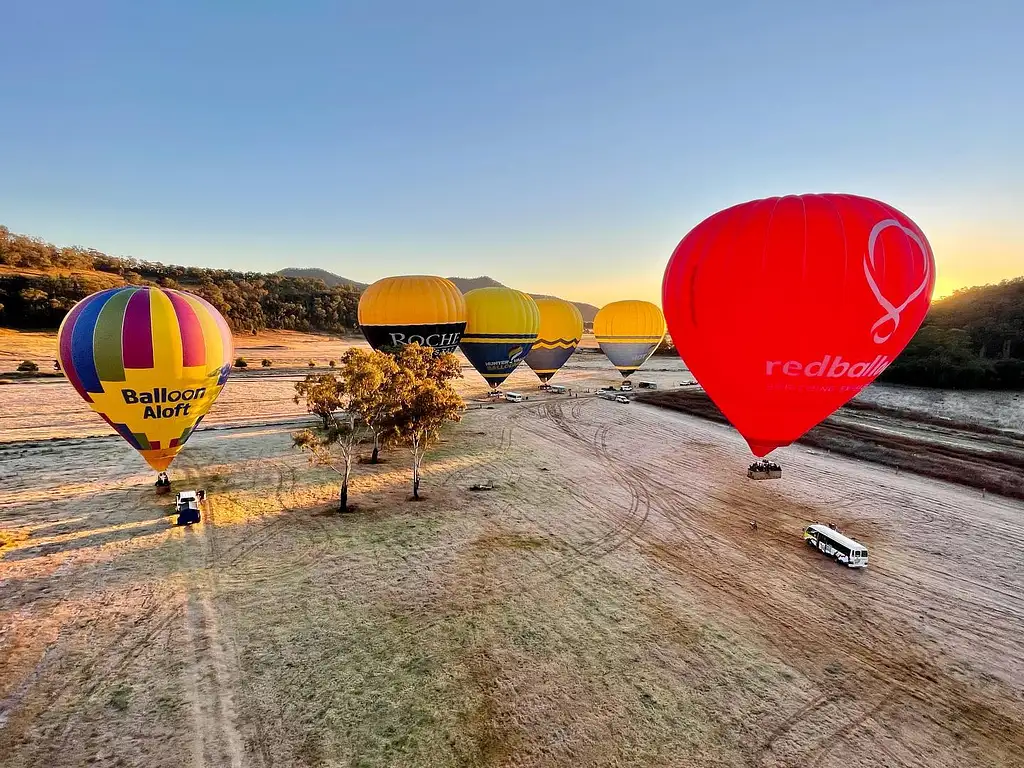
[[605, 604], [10, 538]]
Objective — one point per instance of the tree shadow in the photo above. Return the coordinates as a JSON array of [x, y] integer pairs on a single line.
[[28, 551]]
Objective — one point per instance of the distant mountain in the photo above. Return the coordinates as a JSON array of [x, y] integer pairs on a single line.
[[329, 278], [589, 311], [464, 284], [467, 284]]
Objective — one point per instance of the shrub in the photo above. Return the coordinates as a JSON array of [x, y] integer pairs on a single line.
[[332, 363], [312, 363], [27, 366], [266, 363], [240, 363]]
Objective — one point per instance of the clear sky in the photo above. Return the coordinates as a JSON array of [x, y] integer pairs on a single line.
[[560, 146]]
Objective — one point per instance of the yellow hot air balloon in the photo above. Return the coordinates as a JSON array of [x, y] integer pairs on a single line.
[[561, 328], [501, 326], [150, 361], [628, 332], [424, 309]]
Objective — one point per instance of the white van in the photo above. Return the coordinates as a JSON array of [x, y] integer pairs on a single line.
[[831, 542]]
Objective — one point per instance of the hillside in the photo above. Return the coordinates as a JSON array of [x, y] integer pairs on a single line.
[[40, 282], [467, 284], [312, 273], [973, 339], [464, 284]]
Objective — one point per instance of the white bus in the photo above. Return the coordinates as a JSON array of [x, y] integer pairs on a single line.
[[558, 389], [832, 543], [514, 397]]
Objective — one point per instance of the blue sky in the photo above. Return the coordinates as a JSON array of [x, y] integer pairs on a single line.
[[561, 147]]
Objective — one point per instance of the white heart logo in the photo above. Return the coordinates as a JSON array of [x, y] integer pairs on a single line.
[[892, 312]]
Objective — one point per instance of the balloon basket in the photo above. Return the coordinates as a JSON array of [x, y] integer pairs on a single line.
[[764, 470]]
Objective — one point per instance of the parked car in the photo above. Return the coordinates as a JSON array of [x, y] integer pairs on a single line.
[[186, 504]]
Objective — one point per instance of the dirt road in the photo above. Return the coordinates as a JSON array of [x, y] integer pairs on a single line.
[[606, 604]]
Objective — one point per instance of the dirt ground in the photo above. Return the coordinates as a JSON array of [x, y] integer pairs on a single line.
[[975, 455], [606, 605]]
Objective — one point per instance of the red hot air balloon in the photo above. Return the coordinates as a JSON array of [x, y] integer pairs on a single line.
[[784, 308]]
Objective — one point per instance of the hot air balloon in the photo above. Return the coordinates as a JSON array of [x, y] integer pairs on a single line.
[[501, 327], [628, 332], [561, 328], [784, 308], [150, 361], [424, 309]]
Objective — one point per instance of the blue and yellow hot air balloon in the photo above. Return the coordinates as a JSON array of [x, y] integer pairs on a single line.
[[424, 309], [501, 326], [561, 328], [150, 361], [628, 332]]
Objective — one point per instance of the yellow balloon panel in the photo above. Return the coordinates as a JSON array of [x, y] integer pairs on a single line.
[[498, 311], [501, 326], [412, 300], [420, 309], [628, 332], [561, 328]]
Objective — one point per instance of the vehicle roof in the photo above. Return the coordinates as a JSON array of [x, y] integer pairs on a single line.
[[836, 536]]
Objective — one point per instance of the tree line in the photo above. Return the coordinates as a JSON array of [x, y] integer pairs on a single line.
[[973, 339], [379, 398], [43, 282]]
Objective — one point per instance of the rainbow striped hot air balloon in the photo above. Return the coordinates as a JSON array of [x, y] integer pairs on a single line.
[[150, 361]]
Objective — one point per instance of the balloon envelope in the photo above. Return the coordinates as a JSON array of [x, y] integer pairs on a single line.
[[628, 332], [501, 326], [783, 309], [561, 328], [428, 310], [150, 361]]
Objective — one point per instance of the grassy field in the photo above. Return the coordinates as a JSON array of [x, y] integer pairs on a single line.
[[607, 604]]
